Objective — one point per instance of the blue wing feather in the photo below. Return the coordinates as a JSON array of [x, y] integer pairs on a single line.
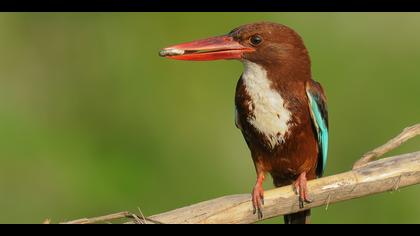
[[319, 114]]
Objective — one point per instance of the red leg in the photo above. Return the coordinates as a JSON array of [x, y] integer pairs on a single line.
[[258, 196], [301, 187]]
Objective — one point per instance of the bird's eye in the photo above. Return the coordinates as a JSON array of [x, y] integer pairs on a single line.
[[255, 40]]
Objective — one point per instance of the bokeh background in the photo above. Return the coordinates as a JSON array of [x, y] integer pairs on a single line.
[[93, 122]]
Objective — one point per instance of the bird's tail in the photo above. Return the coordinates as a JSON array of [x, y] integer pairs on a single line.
[[303, 217]]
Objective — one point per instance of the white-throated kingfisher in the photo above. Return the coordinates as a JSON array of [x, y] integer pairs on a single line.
[[280, 109]]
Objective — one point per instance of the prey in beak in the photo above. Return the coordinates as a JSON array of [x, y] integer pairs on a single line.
[[215, 48]]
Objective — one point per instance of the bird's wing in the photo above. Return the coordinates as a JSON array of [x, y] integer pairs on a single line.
[[319, 114]]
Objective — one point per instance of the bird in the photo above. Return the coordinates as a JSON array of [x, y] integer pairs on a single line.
[[280, 109]]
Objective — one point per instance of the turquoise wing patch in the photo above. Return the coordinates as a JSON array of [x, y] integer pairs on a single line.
[[317, 105]]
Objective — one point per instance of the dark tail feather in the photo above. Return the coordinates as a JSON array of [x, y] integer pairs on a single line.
[[303, 217]]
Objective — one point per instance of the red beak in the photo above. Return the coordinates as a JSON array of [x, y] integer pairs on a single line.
[[215, 48]]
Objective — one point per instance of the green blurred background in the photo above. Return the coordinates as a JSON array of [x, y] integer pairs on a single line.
[[93, 122]]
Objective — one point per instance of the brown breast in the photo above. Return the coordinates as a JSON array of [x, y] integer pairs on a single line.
[[297, 151]]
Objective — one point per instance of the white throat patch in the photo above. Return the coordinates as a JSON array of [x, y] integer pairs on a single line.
[[270, 116]]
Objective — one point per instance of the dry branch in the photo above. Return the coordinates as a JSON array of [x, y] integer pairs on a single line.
[[367, 179], [105, 218], [407, 133], [380, 176]]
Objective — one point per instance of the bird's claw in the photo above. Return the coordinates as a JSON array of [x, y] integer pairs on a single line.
[[303, 201], [259, 211], [258, 201], [302, 190]]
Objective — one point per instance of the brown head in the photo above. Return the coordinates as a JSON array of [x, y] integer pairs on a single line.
[[273, 46]]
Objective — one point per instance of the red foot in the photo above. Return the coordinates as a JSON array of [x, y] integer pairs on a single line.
[[258, 198], [301, 189]]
